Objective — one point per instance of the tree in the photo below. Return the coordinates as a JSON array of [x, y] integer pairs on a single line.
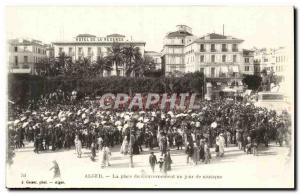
[[252, 81], [63, 63], [116, 56], [100, 65]]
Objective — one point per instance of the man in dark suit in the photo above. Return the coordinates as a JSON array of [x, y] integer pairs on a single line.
[[152, 161]]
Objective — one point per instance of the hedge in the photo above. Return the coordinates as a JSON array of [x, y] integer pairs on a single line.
[[24, 88]]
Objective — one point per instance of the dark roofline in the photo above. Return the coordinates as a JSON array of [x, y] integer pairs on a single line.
[[85, 35], [179, 33], [115, 35]]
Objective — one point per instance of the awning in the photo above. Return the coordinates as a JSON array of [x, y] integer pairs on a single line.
[[235, 69], [229, 90], [224, 69]]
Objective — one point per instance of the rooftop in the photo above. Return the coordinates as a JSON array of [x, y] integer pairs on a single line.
[[115, 35], [215, 36], [179, 34], [85, 35]]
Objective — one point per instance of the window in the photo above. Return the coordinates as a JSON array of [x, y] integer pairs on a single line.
[[202, 70], [234, 48], [212, 73], [213, 58], [80, 50], [223, 58], [224, 48], [246, 68], [25, 59], [234, 58], [16, 49], [202, 58], [16, 60], [89, 50], [212, 48], [265, 60], [70, 51], [246, 60], [202, 48], [60, 49]]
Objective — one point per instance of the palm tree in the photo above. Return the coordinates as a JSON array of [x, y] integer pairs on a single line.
[[133, 60], [63, 62], [115, 55], [101, 64]]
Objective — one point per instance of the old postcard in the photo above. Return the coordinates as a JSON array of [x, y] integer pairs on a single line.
[[150, 97]]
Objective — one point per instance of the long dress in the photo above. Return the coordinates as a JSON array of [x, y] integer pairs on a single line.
[[124, 147], [201, 151], [196, 154], [221, 145], [78, 147]]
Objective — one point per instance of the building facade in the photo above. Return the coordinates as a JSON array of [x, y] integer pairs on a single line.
[[282, 61], [217, 56], [91, 47], [272, 60], [24, 54], [265, 59], [173, 56], [247, 66], [156, 57]]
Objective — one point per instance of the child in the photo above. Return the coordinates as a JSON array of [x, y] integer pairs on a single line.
[[248, 145], [93, 149], [161, 163], [207, 155], [56, 169], [152, 161]]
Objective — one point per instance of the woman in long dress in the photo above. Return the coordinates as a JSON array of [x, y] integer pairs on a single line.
[[196, 154], [124, 147], [221, 145], [78, 146]]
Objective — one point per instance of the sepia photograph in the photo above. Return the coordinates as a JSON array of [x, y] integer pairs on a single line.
[[150, 97]]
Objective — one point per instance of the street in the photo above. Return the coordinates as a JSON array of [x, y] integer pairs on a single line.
[[265, 170]]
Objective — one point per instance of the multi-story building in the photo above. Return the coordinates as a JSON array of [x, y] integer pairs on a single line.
[[50, 51], [92, 47], [156, 57], [282, 61], [173, 54], [217, 56], [24, 54], [247, 66], [272, 60], [264, 58]]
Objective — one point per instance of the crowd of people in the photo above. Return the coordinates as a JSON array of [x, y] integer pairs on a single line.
[[54, 125]]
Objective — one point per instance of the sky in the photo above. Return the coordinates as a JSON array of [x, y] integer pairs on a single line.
[[269, 27]]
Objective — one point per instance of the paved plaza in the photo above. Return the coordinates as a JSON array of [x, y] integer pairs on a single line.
[[270, 165]]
